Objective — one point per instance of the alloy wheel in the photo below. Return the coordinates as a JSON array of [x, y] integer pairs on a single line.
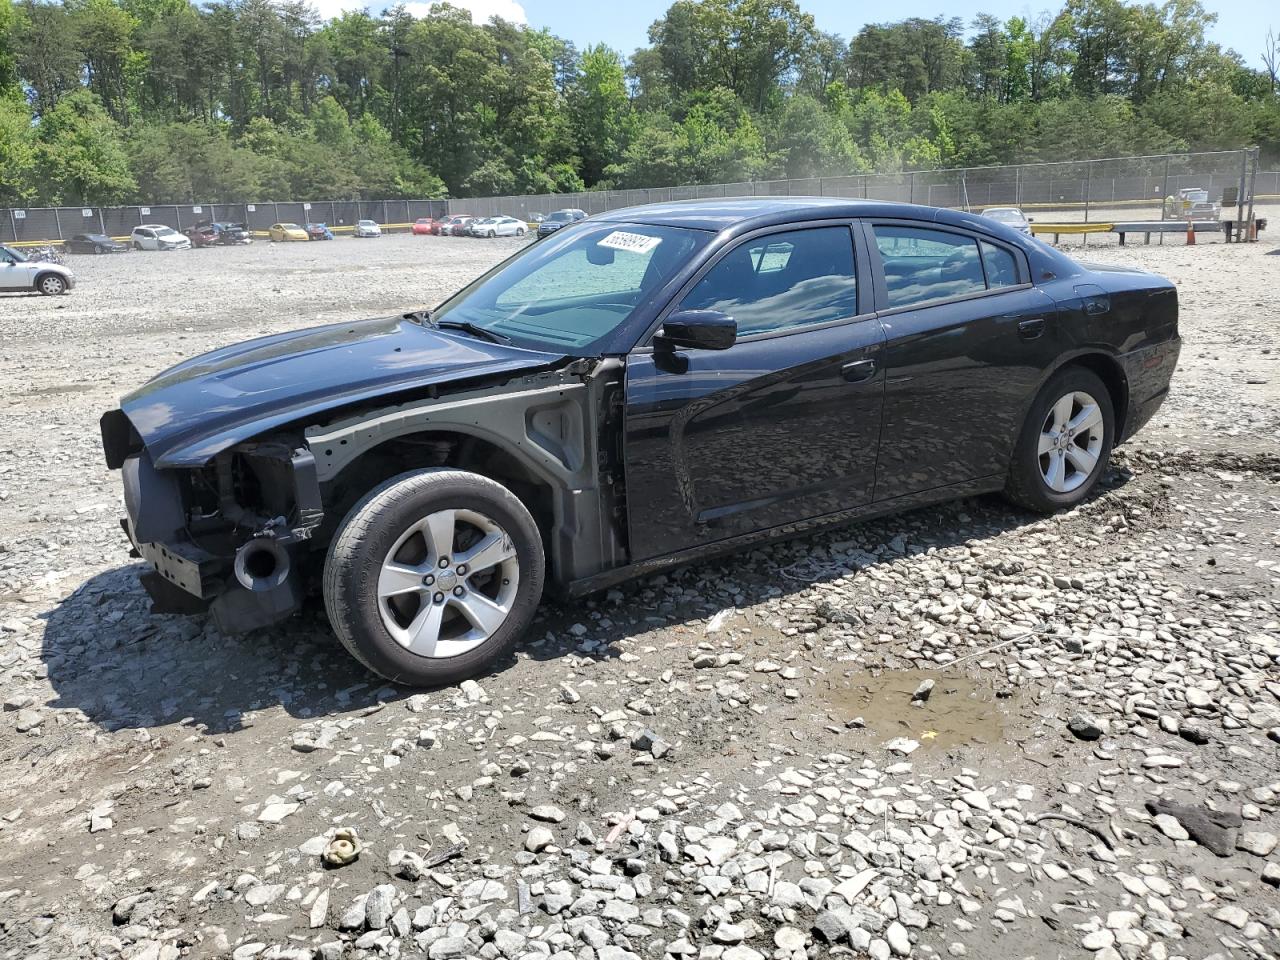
[[52, 285], [448, 583], [1070, 441]]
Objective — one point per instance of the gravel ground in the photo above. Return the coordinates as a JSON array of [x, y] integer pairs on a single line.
[[966, 731]]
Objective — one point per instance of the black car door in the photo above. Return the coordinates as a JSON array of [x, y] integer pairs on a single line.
[[780, 427], [968, 339]]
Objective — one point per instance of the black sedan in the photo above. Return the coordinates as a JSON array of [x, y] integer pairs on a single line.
[[654, 386], [94, 243]]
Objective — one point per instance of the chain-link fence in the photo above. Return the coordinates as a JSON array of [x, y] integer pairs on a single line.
[[44, 224], [1112, 190], [1129, 188]]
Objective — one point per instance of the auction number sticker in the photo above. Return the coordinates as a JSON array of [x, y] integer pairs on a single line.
[[630, 242]]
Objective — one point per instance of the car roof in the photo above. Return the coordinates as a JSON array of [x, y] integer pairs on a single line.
[[748, 213]]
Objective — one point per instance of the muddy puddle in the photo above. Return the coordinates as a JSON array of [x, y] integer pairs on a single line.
[[958, 711]]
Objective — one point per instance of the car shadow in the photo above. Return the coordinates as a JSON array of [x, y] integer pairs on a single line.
[[123, 667]]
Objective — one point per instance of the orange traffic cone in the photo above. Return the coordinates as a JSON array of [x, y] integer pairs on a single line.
[[1191, 234]]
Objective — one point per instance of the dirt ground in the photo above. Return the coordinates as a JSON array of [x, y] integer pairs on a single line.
[[722, 762]]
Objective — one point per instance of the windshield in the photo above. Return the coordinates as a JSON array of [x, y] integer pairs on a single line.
[[1008, 216], [166, 232], [561, 215], [19, 257], [570, 291]]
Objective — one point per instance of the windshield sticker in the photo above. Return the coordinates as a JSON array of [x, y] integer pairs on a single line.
[[630, 242]]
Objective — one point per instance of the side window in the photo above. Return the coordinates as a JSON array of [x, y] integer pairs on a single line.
[[1002, 269], [781, 281], [922, 264]]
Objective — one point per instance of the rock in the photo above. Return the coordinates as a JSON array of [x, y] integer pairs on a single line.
[[379, 905], [1232, 916], [264, 894], [28, 720], [538, 839], [1171, 828], [1193, 732], [473, 691], [1213, 829], [450, 948], [1271, 874], [896, 936], [833, 926], [547, 814], [275, 812], [921, 695], [789, 939], [568, 694], [1085, 726], [902, 745], [1256, 842]]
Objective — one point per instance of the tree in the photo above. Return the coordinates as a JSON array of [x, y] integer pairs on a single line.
[[599, 110], [17, 152], [808, 141], [80, 156]]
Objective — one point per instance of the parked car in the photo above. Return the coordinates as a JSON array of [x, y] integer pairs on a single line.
[[94, 243], [535, 218], [477, 226], [287, 233], [212, 233], [20, 272], [424, 226], [1010, 217], [661, 384], [561, 218], [499, 227], [367, 228], [318, 231], [455, 226], [157, 236], [1192, 203]]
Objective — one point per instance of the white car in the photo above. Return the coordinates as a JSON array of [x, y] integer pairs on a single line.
[[19, 273], [498, 227], [156, 236], [367, 228], [1010, 217]]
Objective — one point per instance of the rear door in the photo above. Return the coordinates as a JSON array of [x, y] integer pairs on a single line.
[[968, 338], [782, 426]]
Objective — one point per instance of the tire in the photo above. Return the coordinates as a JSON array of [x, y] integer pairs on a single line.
[[51, 284], [365, 600], [1048, 470], [490, 234], [137, 245], [520, 231]]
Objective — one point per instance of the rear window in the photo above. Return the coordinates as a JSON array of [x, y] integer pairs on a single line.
[[922, 265]]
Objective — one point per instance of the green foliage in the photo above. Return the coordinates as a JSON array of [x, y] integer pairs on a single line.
[[226, 100]]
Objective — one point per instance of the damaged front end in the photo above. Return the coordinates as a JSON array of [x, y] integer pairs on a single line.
[[228, 537]]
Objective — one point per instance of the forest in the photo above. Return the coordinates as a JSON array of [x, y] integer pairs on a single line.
[[165, 101]]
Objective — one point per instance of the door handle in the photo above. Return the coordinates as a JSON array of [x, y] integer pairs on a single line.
[[858, 371], [1031, 329]]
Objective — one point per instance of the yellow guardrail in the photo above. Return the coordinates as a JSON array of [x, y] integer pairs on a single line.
[[1093, 227]]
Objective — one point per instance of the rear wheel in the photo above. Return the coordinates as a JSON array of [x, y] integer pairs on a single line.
[[520, 231], [433, 576], [1065, 443]]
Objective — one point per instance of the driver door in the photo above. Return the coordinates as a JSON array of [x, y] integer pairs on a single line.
[[781, 427], [13, 275]]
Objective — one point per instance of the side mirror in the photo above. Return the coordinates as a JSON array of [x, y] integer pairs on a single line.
[[698, 330], [1031, 219]]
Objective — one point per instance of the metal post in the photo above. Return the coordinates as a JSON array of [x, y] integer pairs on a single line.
[[1244, 162], [275, 212], [13, 224], [1088, 189], [911, 189], [102, 223], [1017, 187], [1253, 182], [57, 222]]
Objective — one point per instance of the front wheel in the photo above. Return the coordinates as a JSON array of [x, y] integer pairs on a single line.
[[520, 231], [433, 576], [1065, 443], [51, 285]]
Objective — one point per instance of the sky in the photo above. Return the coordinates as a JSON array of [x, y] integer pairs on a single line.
[[624, 26]]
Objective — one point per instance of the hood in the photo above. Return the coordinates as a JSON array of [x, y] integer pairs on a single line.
[[202, 406]]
